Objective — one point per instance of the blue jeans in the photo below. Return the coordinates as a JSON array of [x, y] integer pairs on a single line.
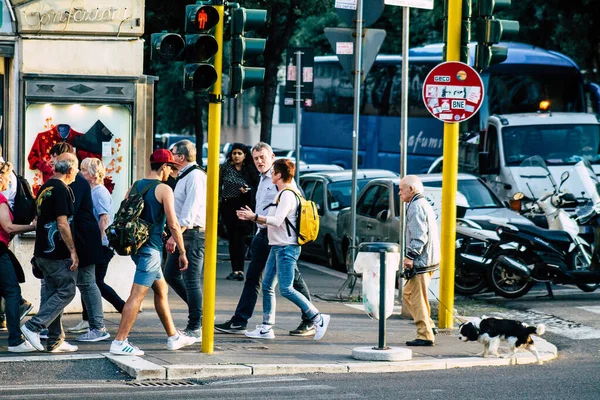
[[280, 266], [188, 284], [259, 253], [11, 291], [90, 295], [107, 292], [60, 284]]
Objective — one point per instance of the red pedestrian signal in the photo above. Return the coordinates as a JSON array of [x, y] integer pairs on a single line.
[[202, 18]]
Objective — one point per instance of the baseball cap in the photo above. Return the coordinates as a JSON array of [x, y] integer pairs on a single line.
[[163, 156]]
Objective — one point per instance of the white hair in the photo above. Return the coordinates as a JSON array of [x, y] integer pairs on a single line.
[[414, 183]]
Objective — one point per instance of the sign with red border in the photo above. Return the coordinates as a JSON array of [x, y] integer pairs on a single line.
[[453, 92]]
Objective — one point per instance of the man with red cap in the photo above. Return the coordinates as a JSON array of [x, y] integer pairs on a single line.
[[158, 210]]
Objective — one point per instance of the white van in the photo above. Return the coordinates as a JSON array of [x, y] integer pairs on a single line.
[[561, 139]]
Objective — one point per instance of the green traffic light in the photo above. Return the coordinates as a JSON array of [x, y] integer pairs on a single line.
[[244, 20], [245, 77]]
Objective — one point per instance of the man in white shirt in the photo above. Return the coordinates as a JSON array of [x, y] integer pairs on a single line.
[[263, 157], [190, 208]]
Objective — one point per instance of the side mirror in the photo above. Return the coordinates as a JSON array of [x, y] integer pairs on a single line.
[[383, 215], [563, 177], [484, 165]]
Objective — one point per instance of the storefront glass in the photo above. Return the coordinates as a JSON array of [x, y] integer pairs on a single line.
[[88, 128]]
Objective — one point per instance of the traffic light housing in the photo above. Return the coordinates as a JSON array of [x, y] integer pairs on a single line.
[[243, 48], [200, 47], [490, 31], [166, 46]]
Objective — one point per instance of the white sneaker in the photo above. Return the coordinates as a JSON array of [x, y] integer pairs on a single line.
[[262, 332], [24, 347], [81, 327], [125, 349], [321, 326], [180, 340], [65, 347], [32, 337]]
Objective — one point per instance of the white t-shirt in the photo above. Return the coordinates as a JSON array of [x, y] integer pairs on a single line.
[[11, 191], [277, 228]]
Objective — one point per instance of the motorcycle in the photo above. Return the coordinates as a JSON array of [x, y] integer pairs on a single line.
[[472, 244], [559, 255]]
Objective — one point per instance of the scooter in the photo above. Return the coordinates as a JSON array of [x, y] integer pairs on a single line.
[[558, 255]]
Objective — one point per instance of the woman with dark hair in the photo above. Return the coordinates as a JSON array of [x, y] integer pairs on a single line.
[[238, 183]]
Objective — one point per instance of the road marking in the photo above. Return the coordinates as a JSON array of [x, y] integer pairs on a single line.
[[324, 270], [592, 309], [64, 357], [559, 326]]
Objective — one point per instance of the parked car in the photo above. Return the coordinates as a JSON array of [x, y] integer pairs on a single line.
[[312, 168], [331, 191], [377, 209]]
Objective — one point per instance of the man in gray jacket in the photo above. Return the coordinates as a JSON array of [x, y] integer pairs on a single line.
[[422, 257]]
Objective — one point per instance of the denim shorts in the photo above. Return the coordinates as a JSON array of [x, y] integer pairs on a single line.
[[147, 262]]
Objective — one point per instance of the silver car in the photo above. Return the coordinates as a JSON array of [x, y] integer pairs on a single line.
[[377, 209], [331, 191]]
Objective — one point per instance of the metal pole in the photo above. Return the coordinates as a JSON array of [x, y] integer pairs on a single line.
[[404, 126], [212, 195], [382, 286], [449, 181], [357, 81], [298, 109]]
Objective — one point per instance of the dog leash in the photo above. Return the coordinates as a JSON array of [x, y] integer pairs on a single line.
[[440, 302]]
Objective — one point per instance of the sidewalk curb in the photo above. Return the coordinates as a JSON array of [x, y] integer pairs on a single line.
[[141, 369]]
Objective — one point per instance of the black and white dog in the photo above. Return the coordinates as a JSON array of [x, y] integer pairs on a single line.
[[491, 331]]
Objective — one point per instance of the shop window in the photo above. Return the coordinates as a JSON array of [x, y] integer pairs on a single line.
[[48, 124]]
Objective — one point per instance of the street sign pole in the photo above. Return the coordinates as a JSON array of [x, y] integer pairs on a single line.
[[449, 182], [298, 109], [355, 126], [404, 129]]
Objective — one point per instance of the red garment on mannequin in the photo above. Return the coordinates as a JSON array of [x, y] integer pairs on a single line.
[[39, 156]]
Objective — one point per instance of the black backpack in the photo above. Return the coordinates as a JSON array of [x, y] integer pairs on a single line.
[[24, 204]]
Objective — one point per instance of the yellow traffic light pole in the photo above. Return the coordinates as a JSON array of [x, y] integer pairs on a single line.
[[212, 195], [450, 184]]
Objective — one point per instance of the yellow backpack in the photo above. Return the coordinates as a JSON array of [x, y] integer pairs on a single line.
[[307, 219]]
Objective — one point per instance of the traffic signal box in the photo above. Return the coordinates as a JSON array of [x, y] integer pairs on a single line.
[[166, 46], [490, 31], [243, 48], [200, 47]]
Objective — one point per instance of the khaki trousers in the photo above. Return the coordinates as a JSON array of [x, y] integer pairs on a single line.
[[414, 298]]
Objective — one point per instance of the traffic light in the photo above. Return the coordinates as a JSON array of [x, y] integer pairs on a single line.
[[166, 46], [489, 31], [200, 46], [243, 48], [465, 30]]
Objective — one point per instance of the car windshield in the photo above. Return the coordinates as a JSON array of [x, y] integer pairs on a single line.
[[340, 193], [556, 144], [477, 194]]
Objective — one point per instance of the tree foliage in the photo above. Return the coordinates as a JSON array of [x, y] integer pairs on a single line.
[[572, 28]]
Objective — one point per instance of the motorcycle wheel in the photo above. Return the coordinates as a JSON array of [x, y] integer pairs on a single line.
[[468, 283], [588, 287], [584, 287], [506, 283]]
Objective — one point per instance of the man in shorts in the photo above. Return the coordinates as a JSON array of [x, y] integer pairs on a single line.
[[158, 210]]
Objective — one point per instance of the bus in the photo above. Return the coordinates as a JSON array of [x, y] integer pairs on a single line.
[[530, 74]]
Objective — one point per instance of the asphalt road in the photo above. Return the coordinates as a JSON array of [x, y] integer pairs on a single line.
[[573, 326]]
